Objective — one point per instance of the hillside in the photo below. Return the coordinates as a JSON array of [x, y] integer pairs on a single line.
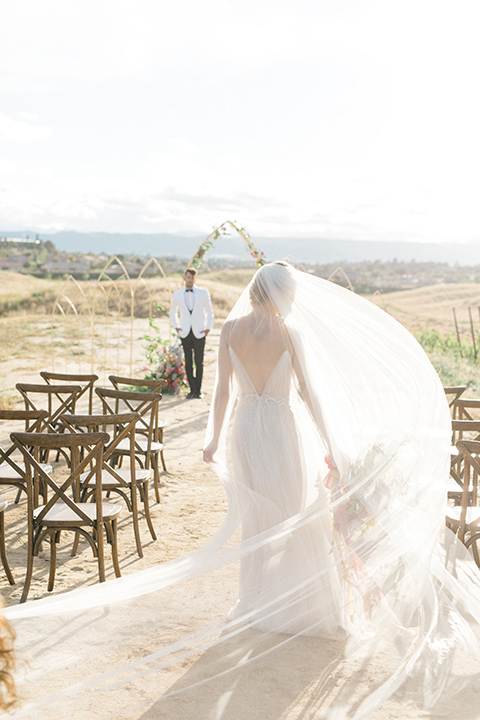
[[27, 308], [27, 294], [432, 307], [426, 307], [298, 249]]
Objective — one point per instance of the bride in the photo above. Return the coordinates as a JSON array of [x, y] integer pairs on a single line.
[[269, 450], [331, 433]]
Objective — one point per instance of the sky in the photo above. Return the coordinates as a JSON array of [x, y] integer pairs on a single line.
[[352, 119]]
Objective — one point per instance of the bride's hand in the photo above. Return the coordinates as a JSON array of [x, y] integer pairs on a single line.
[[209, 452]]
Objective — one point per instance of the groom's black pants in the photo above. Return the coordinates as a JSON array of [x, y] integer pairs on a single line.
[[193, 349]]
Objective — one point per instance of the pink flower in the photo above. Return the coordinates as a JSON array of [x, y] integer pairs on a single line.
[[329, 462]]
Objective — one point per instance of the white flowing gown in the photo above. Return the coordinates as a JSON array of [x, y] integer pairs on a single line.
[[268, 460]]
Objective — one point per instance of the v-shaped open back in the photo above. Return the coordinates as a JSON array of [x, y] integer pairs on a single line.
[[277, 384]]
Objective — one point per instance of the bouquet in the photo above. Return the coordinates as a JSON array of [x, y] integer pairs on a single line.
[[166, 362]]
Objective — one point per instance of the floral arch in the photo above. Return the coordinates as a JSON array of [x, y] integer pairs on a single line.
[[221, 231]]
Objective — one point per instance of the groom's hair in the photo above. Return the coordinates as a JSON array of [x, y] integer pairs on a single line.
[[192, 271]]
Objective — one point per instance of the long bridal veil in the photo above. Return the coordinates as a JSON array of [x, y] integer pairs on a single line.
[[354, 596]]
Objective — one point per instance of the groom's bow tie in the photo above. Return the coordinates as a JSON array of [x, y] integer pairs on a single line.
[[189, 289]]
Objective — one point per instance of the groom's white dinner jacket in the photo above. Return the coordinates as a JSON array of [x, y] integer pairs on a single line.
[[201, 317]]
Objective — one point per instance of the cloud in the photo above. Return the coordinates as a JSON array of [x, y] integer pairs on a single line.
[[12, 130], [241, 200]]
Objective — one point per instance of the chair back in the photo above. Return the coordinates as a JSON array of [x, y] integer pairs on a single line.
[[453, 393], [86, 382], [465, 430], [34, 422], [467, 408], [145, 404], [86, 452], [123, 428], [127, 383], [58, 399], [470, 451]]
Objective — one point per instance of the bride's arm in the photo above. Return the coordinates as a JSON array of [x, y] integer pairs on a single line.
[[302, 383], [221, 396]]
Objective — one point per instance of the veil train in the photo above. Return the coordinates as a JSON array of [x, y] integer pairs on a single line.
[[399, 607]]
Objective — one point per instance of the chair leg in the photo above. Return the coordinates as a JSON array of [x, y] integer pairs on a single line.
[[136, 528], [156, 477], [53, 559], [472, 542], [146, 504], [76, 542], [29, 573], [163, 460], [100, 553], [111, 530], [3, 551], [475, 554]]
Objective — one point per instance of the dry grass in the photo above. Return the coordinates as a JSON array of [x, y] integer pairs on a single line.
[[26, 293], [432, 307], [23, 293], [427, 307]]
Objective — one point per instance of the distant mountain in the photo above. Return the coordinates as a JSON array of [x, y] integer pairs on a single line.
[[299, 250]]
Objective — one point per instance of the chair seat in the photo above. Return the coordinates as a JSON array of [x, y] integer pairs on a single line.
[[142, 443], [108, 479], [7, 472], [473, 514], [61, 513]]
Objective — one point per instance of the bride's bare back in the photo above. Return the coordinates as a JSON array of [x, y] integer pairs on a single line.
[[259, 340]]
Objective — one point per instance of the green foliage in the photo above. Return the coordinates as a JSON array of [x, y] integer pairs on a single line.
[[446, 357], [435, 341]]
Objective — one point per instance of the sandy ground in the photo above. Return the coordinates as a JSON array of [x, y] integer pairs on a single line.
[[192, 506]]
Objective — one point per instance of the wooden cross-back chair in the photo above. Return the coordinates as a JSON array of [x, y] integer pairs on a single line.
[[453, 393], [63, 511], [467, 408], [59, 399], [464, 519], [86, 383], [127, 383], [122, 481], [461, 430], [12, 472], [55, 399], [147, 446], [3, 549]]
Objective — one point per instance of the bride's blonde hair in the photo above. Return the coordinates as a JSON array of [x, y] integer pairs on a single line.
[[270, 277], [8, 694]]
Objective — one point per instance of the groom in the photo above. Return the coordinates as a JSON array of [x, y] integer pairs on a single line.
[[191, 315]]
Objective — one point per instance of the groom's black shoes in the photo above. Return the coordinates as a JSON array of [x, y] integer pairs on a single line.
[[199, 396], [190, 395]]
